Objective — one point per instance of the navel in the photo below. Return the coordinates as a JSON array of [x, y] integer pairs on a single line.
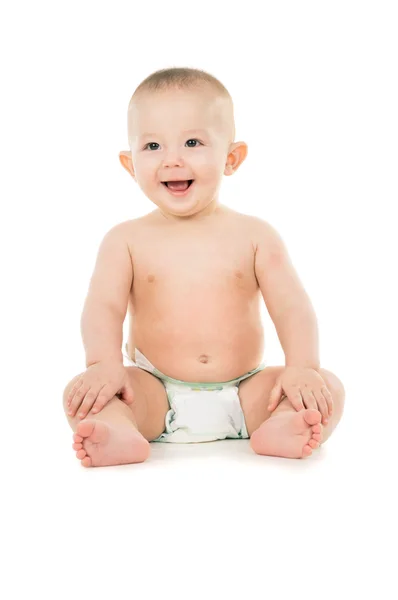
[[151, 278], [239, 274], [204, 358]]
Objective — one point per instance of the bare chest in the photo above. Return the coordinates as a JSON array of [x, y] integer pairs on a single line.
[[192, 266], [194, 301]]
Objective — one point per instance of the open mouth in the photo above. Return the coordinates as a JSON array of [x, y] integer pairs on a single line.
[[178, 184], [178, 188]]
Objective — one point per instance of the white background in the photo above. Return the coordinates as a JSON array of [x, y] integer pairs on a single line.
[[315, 92]]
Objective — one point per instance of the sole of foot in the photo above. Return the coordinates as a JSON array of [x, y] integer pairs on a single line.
[[100, 444], [289, 434]]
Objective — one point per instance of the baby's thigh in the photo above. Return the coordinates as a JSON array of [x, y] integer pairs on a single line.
[[150, 402], [254, 394]]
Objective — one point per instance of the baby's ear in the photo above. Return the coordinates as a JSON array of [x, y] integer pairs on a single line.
[[126, 162], [236, 155]]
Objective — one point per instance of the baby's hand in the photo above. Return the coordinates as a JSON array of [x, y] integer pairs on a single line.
[[305, 388], [99, 384]]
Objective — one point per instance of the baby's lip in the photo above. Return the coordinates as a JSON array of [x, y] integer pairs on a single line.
[[190, 181], [181, 179]]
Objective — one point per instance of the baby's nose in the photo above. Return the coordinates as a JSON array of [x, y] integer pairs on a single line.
[[173, 160]]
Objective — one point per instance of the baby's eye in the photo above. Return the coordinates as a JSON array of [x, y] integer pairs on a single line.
[[151, 144], [193, 140]]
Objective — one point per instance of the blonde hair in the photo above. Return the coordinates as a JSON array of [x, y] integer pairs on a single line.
[[184, 78], [180, 78]]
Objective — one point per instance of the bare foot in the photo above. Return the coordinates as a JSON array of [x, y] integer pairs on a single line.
[[289, 434], [100, 444]]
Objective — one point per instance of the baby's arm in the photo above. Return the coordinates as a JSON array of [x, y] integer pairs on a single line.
[[287, 301], [107, 299]]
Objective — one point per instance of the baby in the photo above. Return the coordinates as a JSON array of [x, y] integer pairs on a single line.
[[192, 274]]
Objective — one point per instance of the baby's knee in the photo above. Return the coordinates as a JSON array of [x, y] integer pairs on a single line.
[[334, 384]]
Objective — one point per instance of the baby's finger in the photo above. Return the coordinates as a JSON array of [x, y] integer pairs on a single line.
[[296, 400], [272, 405], [127, 394], [104, 395], [329, 399], [309, 398], [275, 396], [322, 406], [75, 387], [88, 402], [77, 399]]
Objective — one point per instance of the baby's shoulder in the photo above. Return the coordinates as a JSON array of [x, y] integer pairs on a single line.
[[258, 227], [123, 234], [127, 228]]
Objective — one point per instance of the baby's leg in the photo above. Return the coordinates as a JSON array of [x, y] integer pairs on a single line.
[[286, 432], [119, 433]]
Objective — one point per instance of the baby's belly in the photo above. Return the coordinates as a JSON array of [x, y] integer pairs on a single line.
[[200, 349]]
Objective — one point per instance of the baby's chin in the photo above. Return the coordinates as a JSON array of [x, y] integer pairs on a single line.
[[185, 204], [178, 201], [187, 209]]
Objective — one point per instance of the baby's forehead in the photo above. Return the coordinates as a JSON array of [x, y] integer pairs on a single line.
[[182, 101], [187, 109]]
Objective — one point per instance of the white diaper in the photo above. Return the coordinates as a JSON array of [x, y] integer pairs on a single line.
[[199, 412], [203, 415]]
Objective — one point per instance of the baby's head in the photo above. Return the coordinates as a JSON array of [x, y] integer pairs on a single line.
[[181, 128]]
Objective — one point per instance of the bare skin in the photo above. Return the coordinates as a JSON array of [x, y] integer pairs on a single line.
[[288, 433], [195, 312], [191, 275], [214, 335], [120, 434], [100, 444]]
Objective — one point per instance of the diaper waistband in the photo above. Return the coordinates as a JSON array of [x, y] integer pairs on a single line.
[[143, 363]]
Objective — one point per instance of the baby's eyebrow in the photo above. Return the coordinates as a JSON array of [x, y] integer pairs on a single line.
[[203, 131]]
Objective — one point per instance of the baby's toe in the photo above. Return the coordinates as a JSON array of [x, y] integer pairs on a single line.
[[317, 428], [313, 443], [81, 453], [77, 438], [77, 446], [86, 462], [317, 437], [86, 428], [312, 416], [307, 450]]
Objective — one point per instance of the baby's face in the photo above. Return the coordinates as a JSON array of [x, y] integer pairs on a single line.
[[180, 135]]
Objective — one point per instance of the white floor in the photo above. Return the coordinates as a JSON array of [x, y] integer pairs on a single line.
[[202, 520]]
